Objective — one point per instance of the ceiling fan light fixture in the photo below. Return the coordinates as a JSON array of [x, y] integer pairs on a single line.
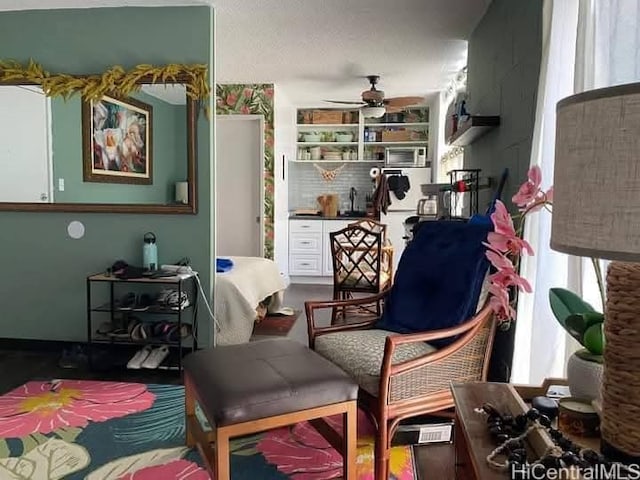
[[372, 112]]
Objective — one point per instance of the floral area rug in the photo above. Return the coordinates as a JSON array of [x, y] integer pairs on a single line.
[[93, 430]]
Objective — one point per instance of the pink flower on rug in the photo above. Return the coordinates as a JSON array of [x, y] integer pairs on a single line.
[[303, 454], [176, 470], [46, 406]]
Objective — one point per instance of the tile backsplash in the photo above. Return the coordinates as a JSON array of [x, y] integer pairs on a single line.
[[306, 183]]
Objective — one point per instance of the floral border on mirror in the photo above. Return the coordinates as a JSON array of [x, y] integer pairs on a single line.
[[114, 81]]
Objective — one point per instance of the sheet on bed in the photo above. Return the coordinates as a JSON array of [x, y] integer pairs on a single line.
[[238, 292]]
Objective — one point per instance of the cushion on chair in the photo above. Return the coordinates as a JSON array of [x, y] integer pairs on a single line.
[[439, 279], [360, 352]]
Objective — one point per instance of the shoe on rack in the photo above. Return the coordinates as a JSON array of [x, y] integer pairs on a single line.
[[143, 302], [137, 361], [177, 302], [127, 302], [156, 357]]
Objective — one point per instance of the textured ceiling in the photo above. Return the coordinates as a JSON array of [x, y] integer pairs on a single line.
[[322, 49]]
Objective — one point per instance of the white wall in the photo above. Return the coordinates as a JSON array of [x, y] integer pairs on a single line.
[[284, 124]]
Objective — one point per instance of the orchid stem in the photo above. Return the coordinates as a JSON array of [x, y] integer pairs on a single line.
[[598, 271]]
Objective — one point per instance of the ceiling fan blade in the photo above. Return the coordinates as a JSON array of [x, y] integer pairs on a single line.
[[345, 103], [401, 102]]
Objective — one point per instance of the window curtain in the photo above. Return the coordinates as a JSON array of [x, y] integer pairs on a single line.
[[587, 44], [540, 343]]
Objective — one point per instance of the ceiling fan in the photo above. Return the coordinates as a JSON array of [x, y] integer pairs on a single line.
[[374, 105]]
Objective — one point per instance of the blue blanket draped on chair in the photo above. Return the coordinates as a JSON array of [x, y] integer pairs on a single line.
[[439, 278]]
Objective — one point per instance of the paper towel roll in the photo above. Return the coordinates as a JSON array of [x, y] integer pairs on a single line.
[[182, 192], [374, 172]]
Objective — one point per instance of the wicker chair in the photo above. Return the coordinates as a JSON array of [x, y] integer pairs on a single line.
[[401, 375], [405, 375], [362, 263], [372, 225]]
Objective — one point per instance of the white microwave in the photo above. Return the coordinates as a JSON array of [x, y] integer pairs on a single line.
[[405, 156]]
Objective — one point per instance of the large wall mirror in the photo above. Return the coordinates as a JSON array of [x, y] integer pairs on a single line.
[[128, 154]]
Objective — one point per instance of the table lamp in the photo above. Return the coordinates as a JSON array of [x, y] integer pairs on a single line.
[[596, 213]]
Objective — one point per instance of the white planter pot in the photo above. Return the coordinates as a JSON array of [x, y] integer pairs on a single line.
[[585, 378]]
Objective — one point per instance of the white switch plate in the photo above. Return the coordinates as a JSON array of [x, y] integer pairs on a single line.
[[61, 184]]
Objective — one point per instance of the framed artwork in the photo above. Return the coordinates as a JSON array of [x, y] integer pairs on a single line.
[[117, 141]]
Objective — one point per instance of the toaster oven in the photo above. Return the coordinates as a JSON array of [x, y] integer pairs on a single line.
[[405, 156]]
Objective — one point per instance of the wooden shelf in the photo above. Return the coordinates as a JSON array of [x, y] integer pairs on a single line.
[[474, 128]]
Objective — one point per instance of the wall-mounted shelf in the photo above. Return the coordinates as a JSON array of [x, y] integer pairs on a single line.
[[474, 128]]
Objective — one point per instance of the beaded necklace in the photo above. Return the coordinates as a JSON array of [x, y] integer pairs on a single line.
[[510, 432]]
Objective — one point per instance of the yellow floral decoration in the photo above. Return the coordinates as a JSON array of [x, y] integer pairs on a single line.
[[116, 81]]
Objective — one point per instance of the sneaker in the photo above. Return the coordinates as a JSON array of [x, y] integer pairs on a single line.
[[156, 357], [137, 361], [177, 302]]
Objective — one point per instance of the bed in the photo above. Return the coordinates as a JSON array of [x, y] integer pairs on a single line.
[[238, 294]]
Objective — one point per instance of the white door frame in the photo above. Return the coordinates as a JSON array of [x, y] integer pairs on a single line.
[[260, 120]]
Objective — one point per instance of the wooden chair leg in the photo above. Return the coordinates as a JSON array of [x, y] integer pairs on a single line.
[[334, 310], [222, 455], [350, 442], [381, 454], [189, 409]]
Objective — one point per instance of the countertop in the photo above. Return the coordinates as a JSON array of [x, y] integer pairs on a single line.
[[320, 217]]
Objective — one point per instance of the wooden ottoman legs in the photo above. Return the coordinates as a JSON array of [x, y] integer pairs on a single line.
[[217, 459]]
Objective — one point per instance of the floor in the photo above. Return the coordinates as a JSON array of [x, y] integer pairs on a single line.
[[435, 462]]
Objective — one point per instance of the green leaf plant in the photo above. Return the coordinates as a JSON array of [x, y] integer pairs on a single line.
[[581, 321]]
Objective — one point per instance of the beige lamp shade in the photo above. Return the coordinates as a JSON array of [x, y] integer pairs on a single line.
[[596, 206]]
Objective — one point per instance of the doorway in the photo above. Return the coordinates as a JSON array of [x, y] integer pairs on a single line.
[[239, 185], [25, 145]]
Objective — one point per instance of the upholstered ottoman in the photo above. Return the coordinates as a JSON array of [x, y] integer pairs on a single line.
[[258, 386]]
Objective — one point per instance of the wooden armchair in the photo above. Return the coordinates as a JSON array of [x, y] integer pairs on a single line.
[[401, 375], [436, 296]]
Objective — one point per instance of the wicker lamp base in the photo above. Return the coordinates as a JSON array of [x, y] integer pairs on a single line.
[[620, 423]]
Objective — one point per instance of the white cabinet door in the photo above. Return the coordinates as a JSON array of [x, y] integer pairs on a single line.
[[329, 226]]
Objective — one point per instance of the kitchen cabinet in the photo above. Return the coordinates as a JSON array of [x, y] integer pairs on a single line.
[[329, 226], [309, 247], [341, 135]]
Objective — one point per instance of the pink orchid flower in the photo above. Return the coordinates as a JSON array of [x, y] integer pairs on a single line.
[[508, 244], [509, 278], [502, 222], [549, 195], [501, 308], [530, 189], [499, 261]]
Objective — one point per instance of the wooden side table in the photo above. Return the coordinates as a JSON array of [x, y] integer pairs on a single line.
[[472, 440]]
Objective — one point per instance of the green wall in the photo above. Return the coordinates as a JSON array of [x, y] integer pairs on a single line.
[[169, 146], [42, 292], [502, 79]]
